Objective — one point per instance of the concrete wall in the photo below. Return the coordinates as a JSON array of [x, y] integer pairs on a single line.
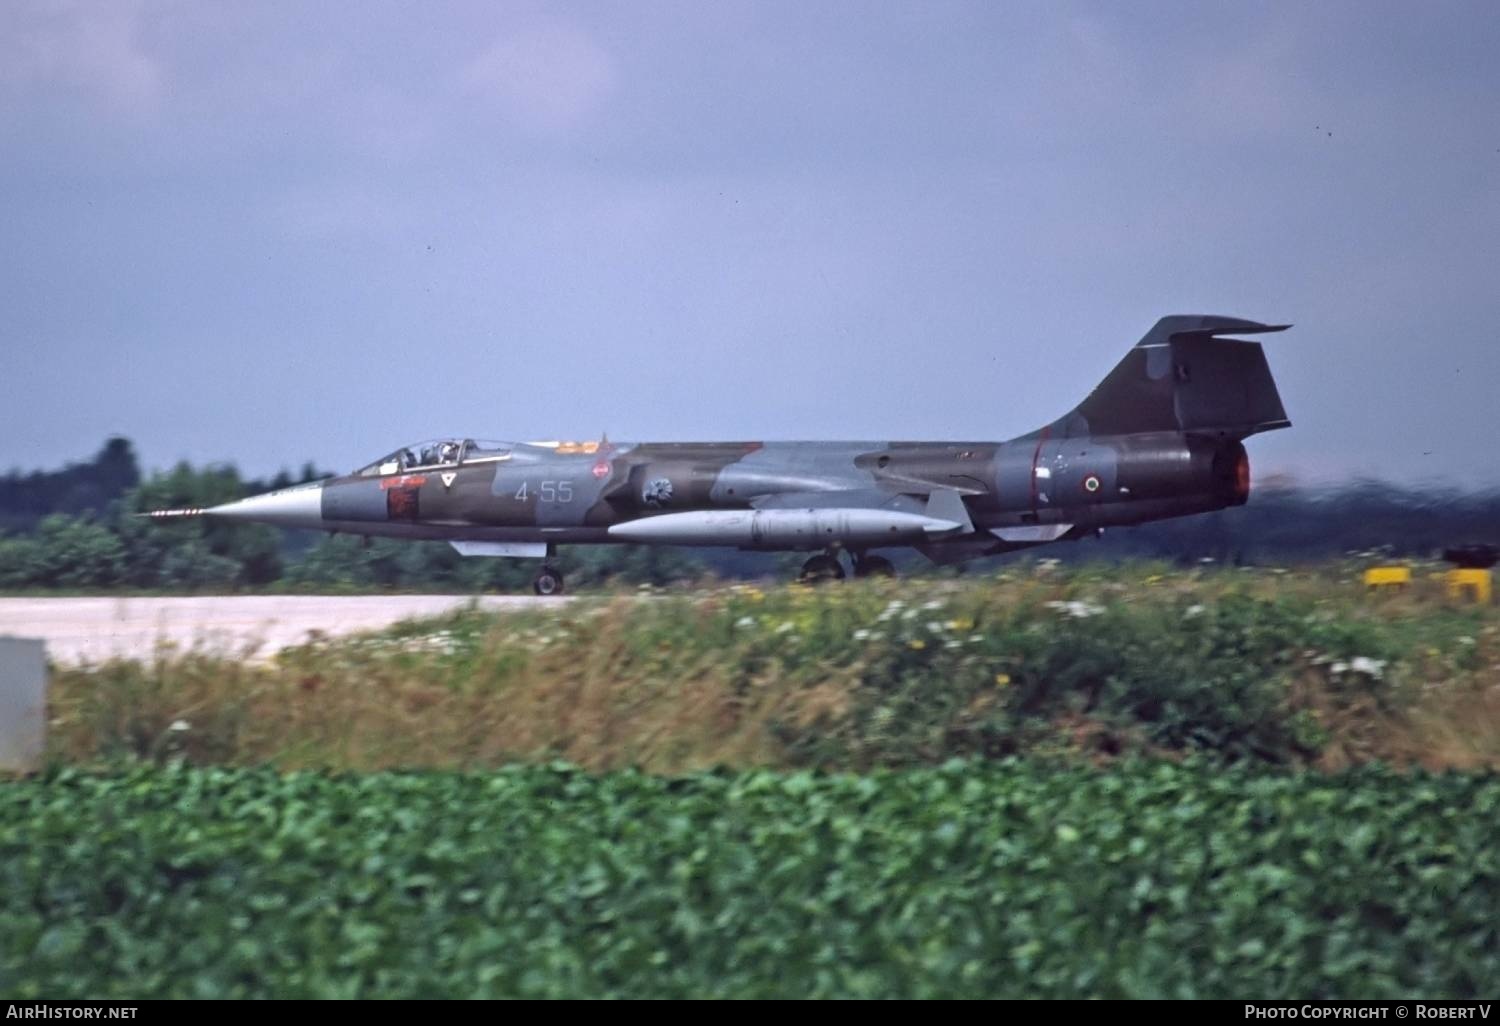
[[23, 703]]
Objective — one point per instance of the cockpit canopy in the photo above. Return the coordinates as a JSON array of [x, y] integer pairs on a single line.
[[440, 452]]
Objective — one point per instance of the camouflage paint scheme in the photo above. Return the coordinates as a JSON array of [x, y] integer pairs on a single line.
[[1160, 437]]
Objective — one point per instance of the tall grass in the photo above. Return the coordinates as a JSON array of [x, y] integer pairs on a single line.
[[1289, 668]]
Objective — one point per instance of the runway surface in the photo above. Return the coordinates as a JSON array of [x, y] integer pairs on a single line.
[[79, 630]]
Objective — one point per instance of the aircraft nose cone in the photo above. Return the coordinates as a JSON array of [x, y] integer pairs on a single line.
[[291, 507]]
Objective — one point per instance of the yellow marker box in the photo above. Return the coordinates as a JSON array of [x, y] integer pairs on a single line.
[[1387, 577], [1474, 584]]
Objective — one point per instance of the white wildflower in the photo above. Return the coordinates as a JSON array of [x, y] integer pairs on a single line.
[[745, 621], [1077, 610], [180, 725], [1194, 610]]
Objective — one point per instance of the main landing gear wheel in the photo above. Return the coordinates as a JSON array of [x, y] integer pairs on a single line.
[[821, 568], [874, 566], [548, 582]]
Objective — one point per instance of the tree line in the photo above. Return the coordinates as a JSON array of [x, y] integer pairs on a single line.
[[75, 528]]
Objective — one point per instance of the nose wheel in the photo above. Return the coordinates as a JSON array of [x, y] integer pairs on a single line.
[[548, 582]]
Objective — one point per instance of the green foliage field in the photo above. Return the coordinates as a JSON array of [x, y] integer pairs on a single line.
[[972, 879]]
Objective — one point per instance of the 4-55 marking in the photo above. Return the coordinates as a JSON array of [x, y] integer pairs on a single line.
[[546, 491]]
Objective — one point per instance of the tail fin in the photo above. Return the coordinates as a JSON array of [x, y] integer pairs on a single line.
[[1183, 377]]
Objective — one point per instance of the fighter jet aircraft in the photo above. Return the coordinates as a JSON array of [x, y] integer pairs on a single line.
[[1160, 437]]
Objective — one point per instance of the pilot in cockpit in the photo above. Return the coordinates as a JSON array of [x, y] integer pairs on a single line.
[[448, 452]]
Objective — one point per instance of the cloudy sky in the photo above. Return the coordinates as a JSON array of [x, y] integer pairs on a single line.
[[270, 232]]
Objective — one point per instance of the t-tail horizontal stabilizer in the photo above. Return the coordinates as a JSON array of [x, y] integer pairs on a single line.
[[1182, 376]]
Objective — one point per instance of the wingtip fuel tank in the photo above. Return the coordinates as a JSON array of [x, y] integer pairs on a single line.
[[785, 529]]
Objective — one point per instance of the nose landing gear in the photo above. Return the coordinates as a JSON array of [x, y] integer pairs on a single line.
[[549, 581]]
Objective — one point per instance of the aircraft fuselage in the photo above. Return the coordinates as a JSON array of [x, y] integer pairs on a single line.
[[575, 493], [1160, 436]]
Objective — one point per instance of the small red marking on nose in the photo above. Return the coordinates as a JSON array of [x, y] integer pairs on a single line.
[[404, 481]]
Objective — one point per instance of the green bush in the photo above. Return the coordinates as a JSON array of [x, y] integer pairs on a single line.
[[66, 552], [982, 670]]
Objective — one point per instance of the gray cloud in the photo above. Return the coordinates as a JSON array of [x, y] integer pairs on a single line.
[[71, 46], [547, 76]]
